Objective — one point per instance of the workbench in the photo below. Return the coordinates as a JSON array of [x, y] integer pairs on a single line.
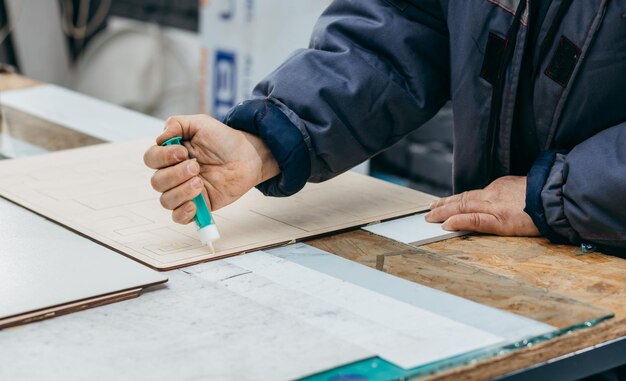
[[555, 284]]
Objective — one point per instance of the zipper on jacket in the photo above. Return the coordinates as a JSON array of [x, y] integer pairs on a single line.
[[498, 89], [601, 14]]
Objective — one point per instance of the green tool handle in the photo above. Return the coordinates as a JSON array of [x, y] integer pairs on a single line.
[[203, 215]]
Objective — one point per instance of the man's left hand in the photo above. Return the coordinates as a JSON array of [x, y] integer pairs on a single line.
[[497, 209]]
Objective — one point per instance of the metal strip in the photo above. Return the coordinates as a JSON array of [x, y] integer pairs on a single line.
[[576, 365]]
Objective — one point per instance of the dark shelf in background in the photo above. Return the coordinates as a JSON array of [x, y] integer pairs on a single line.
[[423, 159], [182, 14]]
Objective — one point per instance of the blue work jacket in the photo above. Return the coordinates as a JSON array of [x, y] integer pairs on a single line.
[[376, 70]]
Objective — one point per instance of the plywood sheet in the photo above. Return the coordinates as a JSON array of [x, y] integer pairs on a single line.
[[451, 275], [595, 278], [104, 193], [47, 270]]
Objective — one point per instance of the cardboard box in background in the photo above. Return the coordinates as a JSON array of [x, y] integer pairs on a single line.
[[245, 40]]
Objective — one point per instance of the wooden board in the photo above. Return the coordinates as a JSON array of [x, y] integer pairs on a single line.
[[33, 130], [15, 81], [104, 193], [593, 278], [458, 278], [65, 309], [555, 283], [536, 354], [49, 136]]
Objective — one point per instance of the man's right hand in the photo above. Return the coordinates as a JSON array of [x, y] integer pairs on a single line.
[[221, 162]]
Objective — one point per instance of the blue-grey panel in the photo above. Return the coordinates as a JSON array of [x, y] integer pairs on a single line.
[[501, 323]]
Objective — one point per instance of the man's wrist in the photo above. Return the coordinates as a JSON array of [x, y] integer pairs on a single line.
[[268, 166], [536, 181], [283, 154]]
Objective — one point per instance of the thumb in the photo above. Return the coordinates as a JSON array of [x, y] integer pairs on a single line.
[[179, 125]]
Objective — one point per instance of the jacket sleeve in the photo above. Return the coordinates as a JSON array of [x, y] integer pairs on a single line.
[[375, 70], [580, 197]]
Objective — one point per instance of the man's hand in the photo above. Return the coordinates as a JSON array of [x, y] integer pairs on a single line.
[[218, 161], [497, 209]]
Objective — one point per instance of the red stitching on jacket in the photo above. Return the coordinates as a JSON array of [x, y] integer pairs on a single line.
[[509, 10], [497, 3], [265, 111]]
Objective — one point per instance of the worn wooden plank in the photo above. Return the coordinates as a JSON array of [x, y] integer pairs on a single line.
[[36, 131], [359, 246], [536, 354], [594, 278], [44, 134], [491, 270], [14, 81], [491, 289], [456, 277]]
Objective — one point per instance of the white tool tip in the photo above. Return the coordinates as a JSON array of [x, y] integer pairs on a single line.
[[208, 235]]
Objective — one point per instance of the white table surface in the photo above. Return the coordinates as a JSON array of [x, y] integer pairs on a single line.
[[201, 326]]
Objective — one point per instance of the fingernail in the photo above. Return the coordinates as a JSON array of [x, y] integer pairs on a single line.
[[445, 226], [193, 167], [189, 208], [196, 183], [432, 205], [427, 215]]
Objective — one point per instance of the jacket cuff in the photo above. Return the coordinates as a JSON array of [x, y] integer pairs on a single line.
[[263, 119], [536, 181]]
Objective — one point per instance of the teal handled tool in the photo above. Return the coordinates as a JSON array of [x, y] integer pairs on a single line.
[[206, 225]]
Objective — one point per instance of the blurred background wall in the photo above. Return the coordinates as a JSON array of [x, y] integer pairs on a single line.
[[165, 57]]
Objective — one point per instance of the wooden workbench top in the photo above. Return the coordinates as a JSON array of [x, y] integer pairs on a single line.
[[558, 285], [531, 277]]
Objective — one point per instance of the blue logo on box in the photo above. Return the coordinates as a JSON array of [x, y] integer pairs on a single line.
[[224, 83]]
